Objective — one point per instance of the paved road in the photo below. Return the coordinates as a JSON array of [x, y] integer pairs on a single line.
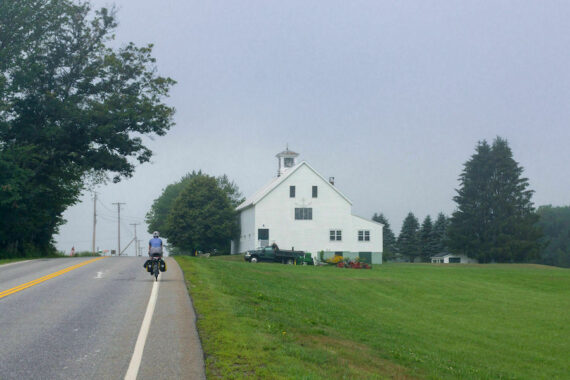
[[84, 323]]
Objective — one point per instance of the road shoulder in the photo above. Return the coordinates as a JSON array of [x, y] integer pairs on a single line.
[[173, 348]]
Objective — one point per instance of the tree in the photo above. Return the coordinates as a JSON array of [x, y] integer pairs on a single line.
[[231, 189], [72, 110], [440, 233], [389, 239], [428, 241], [202, 217], [157, 215], [495, 218], [163, 205], [408, 240], [555, 223]]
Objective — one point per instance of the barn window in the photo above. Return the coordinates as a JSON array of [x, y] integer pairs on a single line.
[[303, 213], [335, 235], [364, 235]]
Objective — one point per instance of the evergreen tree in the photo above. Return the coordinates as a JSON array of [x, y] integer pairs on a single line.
[[555, 223], [428, 242], [440, 233], [408, 240], [495, 218], [390, 249]]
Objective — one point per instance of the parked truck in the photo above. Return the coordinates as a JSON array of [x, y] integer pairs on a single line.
[[274, 254]]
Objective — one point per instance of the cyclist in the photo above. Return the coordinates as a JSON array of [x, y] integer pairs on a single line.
[[154, 249], [155, 245]]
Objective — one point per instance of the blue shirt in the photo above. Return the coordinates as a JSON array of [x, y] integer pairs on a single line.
[[155, 242]]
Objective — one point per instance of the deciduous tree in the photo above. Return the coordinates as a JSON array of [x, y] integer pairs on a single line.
[[202, 217], [163, 205], [72, 109]]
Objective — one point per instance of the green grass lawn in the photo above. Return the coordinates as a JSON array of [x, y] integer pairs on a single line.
[[277, 321]]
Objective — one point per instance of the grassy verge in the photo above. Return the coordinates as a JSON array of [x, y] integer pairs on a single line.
[[400, 320], [7, 261], [54, 256], [31, 257]]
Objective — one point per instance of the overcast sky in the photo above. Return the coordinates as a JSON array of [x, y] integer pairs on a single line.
[[389, 97]]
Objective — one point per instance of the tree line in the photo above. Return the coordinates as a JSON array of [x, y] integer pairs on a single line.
[[555, 224], [495, 219], [415, 241]]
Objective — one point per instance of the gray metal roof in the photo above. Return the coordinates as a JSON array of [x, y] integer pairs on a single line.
[[441, 254], [287, 152]]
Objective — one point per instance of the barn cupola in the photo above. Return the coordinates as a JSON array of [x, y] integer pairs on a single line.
[[286, 160]]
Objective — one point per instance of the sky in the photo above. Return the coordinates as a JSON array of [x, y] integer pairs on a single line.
[[389, 97]]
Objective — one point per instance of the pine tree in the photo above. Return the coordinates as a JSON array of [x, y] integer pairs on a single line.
[[428, 242], [440, 233], [495, 218], [390, 249], [555, 222], [408, 240]]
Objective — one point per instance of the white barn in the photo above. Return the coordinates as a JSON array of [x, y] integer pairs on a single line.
[[300, 209]]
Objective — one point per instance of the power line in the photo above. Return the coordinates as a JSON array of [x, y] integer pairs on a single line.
[[124, 216], [81, 241], [105, 206], [108, 218]]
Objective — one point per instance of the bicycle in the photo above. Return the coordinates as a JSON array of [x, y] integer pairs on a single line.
[[156, 265]]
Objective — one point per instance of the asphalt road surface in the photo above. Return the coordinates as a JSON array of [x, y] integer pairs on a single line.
[[83, 321]]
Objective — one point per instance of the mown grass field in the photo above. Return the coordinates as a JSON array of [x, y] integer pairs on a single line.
[[395, 321]]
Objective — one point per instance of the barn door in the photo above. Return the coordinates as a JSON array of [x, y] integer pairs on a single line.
[[365, 257], [263, 237]]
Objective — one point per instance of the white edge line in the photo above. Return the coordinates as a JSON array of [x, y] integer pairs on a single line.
[[135, 363]]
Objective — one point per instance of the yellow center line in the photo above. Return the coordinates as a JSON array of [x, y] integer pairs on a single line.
[[45, 278]]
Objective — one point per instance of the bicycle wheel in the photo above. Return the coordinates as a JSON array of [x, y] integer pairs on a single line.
[[155, 269]]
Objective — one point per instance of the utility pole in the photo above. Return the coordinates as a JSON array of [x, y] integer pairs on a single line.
[[119, 226], [94, 219], [136, 241]]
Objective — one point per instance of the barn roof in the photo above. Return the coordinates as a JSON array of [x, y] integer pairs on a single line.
[[269, 187]]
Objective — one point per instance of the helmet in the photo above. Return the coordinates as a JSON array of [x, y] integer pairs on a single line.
[[155, 234]]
